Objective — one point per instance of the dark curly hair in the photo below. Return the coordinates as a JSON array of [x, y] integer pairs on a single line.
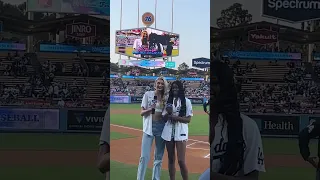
[[226, 104], [181, 95]]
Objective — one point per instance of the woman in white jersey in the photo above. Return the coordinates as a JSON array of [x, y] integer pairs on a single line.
[[152, 105], [236, 150], [104, 150], [178, 114]]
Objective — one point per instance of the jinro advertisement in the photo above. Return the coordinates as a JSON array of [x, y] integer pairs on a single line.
[[147, 43], [29, 119]]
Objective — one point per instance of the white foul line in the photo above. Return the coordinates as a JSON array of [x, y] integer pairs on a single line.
[[192, 144], [141, 131]]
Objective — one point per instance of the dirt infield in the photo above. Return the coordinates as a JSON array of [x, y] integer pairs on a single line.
[[128, 151], [197, 150]]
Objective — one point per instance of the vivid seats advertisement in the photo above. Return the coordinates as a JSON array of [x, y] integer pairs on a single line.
[[147, 43], [71, 49], [92, 7]]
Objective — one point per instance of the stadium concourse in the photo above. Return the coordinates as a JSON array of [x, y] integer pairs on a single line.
[[278, 85]]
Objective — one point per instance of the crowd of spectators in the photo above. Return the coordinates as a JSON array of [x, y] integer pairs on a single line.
[[16, 66], [298, 93], [134, 87]]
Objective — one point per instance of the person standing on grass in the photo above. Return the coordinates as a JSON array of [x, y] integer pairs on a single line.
[[104, 149], [177, 115], [152, 106]]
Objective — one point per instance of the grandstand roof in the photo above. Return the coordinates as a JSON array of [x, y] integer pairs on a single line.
[[285, 33]]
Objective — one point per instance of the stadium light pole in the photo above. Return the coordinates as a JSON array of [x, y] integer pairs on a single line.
[[172, 21], [155, 13], [120, 27], [138, 14]]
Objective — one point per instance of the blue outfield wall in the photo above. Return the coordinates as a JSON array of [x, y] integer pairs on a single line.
[[90, 121]]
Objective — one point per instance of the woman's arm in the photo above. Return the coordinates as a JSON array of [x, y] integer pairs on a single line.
[[185, 120], [145, 112]]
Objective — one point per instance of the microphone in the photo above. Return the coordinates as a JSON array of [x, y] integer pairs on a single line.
[[169, 110], [154, 102]]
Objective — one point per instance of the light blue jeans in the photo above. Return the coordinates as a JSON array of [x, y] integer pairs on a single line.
[[205, 175], [146, 146]]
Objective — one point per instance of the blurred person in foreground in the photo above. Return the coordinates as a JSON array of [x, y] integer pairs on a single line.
[[104, 150], [310, 132], [236, 151]]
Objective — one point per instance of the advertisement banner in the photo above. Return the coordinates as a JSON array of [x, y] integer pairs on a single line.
[[136, 99], [147, 77], [291, 10], [262, 55], [201, 62], [120, 99], [196, 100], [29, 119], [70, 49], [80, 30], [147, 43], [142, 63], [85, 120], [277, 125], [192, 79], [12, 46], [92, 7], [262, 36], [44, 6], [316, 56]]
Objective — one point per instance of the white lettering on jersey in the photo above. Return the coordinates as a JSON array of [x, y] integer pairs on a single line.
[[253, 155]]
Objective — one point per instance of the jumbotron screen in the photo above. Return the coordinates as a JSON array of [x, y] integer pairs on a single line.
[[147, 43]]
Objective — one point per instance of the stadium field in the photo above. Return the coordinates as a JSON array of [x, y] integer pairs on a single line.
[[282, 157], [175, 52], [73, 156]]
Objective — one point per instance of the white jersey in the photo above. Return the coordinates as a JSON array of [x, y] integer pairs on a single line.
[[253, 155]]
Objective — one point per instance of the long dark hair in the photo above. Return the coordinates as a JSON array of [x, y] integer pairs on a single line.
[[227, 105], [181, 96]]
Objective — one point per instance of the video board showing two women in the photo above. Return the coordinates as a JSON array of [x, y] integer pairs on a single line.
[[147, 43]]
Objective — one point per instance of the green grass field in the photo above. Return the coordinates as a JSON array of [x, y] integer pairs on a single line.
[[120, 171]]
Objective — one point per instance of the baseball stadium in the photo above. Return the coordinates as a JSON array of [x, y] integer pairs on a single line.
[[52, 93], [279, 89]]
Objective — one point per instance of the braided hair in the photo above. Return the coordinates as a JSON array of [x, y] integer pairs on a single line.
[[226, 105], [181, 95]]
